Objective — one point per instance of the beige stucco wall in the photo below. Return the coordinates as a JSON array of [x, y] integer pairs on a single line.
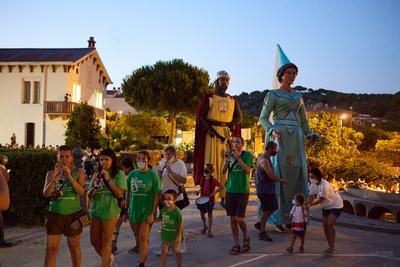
[[89, 80], [55, 130], [14, 115]]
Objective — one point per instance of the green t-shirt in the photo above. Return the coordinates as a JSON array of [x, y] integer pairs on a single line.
[[70, 201], [142, 188], [170, 220], [105, 204], [238, 179]]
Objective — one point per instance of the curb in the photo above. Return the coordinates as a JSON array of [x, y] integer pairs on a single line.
[[363, 227]]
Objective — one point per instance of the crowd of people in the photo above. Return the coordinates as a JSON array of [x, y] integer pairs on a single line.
[[132, 190]]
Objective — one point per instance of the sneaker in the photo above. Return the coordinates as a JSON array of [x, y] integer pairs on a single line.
[[279, 228], [290, 249], [158, 252], [184, 246], [257, 225], [5, 244], [329, 251], [264, 236]]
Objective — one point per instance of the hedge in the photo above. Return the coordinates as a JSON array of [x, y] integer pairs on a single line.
[[27, 175]]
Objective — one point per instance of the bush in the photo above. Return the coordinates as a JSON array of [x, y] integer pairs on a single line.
[[27, 175]]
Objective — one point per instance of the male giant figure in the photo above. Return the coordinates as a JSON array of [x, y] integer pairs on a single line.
[[218, 118]]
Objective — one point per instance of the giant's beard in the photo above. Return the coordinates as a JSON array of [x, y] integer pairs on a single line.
[[220, 90]]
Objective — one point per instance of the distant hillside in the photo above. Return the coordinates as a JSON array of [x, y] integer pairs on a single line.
[[377, 105]]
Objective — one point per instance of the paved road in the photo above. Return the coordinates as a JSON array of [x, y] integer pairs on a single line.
[[354, 247]]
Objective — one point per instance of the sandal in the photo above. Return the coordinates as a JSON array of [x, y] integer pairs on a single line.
[[246, 245], [234, 250], [210, 235]]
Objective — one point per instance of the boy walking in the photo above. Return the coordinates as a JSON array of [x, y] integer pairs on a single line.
[[171, 228]]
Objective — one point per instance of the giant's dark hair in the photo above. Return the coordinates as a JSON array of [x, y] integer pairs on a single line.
[[282, 70]]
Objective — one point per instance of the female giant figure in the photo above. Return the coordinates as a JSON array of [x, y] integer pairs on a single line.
[[287, 127]]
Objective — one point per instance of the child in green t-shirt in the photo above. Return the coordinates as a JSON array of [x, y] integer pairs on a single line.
[[171, 228]]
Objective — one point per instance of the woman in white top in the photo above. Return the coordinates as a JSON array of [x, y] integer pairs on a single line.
[[331, 204]]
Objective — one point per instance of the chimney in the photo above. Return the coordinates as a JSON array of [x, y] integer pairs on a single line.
[[91, 42]]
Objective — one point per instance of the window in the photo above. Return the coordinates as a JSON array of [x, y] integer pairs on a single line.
[[36, 92], [26, 92], [99, 100], [76, 93]]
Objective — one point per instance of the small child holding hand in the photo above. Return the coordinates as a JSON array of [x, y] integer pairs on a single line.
[[298, 218]]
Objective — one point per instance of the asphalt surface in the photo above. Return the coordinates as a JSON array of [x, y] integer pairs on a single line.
[[355, 247]]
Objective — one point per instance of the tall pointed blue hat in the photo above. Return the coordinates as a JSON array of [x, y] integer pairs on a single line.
[[282, 63], [282, 58]]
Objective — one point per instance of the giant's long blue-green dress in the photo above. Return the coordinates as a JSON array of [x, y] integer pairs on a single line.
[[290, 120]]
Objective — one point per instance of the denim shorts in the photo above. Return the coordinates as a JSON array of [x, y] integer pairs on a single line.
[[334, 212]]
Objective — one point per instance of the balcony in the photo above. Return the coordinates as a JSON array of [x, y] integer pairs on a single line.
[[66, 108]]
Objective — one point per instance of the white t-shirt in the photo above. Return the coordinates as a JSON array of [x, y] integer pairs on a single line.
[[178, 167], [332, 199], [297, 214], [313, 188]]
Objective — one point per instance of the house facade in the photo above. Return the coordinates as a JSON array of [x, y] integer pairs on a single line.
[[40, 87]]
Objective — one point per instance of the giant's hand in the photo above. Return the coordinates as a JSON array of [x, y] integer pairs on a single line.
[[276, 134]]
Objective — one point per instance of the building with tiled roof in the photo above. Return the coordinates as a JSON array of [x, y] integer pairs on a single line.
[[39, 88]]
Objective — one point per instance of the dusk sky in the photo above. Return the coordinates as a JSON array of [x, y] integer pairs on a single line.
[[341, 45]]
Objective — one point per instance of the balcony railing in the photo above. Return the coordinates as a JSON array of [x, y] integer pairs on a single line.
[[63, 107]]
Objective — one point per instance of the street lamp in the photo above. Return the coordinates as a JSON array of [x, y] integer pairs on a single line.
[[351, 117], [342, 117]]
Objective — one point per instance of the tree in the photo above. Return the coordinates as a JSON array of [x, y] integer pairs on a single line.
[[167, 86], [83, 128], [185, 122], [134, 131], [338, 144]]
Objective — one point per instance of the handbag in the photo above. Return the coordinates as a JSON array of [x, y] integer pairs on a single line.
[[82, 217], [181, 190]]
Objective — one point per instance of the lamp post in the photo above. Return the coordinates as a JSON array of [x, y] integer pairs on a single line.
[[351, 117], [342, 117]]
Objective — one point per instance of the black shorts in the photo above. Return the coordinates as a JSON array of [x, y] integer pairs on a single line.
[[268, 201], [236, 204], [334, 212], [300, 234], [58, 224]]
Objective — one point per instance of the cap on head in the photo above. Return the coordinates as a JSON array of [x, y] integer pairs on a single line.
[[222, 73]]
